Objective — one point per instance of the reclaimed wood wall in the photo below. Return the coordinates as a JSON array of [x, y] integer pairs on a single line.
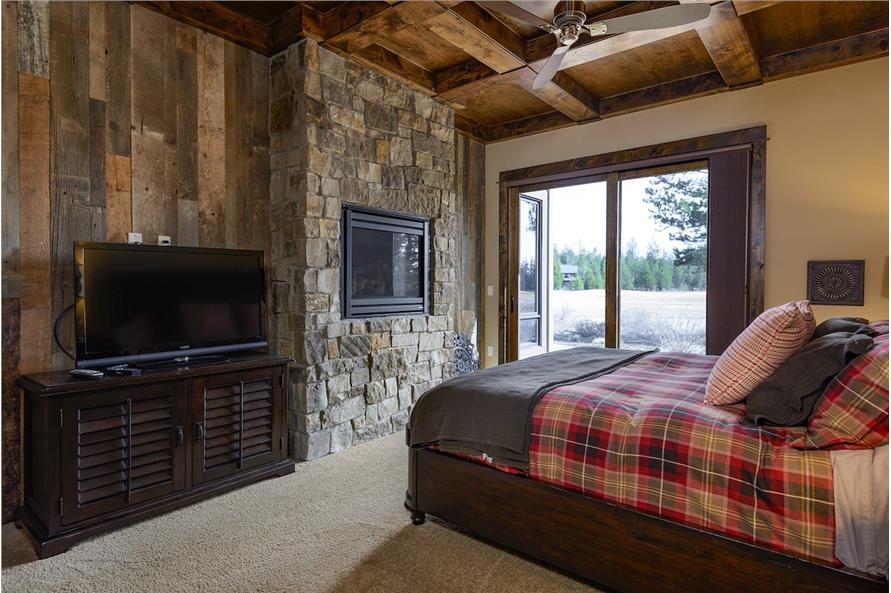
[[115, 119], [469, 253]]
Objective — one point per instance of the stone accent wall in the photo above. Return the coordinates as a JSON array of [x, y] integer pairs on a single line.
[[341, 133]]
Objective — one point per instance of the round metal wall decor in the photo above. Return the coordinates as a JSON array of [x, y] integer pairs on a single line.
[[835, 282], [467, 360]]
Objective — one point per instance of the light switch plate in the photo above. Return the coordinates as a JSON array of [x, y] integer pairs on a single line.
[[489, 351], [490, 290], [134, 238], [164, 240]]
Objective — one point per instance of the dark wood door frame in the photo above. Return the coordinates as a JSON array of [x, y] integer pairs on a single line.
[[753, 139]]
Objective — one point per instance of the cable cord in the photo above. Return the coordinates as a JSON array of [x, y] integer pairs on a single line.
[[56, 331]]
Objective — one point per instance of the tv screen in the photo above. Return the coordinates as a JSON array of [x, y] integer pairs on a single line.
[[138, 303]]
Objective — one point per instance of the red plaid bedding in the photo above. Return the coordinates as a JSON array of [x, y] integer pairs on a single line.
[[642, 437]]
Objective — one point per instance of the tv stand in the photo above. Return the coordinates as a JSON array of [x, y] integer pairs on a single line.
[[181, 362], [104, 453]]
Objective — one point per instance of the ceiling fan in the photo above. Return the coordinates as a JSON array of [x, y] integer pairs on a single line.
[[569, 23]]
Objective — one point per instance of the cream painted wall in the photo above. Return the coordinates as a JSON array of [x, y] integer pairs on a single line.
[[827, 172]]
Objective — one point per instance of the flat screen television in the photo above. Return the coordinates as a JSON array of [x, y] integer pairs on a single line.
[[144, 303]]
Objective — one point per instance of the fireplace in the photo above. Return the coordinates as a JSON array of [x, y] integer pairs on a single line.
[[385, 263]]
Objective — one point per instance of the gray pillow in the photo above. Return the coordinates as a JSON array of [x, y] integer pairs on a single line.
[[853, 325], [789, 395]]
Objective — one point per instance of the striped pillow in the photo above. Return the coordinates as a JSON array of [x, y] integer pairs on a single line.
[[758, 351]]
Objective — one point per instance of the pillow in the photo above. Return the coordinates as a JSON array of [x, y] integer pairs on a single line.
[[788, 396], [758, 351], [852, 325], [853, 412], [880, 326]]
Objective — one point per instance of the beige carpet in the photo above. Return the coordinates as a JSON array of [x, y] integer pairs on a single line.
[[337, 525]]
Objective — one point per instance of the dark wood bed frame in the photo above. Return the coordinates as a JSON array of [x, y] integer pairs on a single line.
[[608, 545]]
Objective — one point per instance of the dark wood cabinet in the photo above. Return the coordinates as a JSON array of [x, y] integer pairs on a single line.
[[103, 453]]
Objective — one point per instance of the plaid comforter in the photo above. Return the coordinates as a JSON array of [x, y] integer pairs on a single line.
[[642, 437]]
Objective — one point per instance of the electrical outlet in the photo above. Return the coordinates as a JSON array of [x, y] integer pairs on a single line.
[[490, 351], [164, 240], [490, 290], [134, 238]]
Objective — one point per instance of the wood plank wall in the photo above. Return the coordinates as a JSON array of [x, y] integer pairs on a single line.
[[469, 253], [115, 119]]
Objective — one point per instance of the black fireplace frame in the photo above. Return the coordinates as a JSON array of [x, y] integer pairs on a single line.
[[355, 216]]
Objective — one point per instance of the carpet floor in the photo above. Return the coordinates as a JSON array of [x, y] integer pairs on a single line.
[[336, 525]]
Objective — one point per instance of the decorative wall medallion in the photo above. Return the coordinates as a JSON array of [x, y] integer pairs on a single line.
[[835, 282], [467, 359]]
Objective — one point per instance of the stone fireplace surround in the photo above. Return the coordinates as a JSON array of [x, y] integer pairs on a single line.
[[340, 132]]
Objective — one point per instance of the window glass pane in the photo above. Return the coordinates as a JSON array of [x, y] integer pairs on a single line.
[[662, 269], [386, 264], [577, 219], [529, 331], [530, 216]]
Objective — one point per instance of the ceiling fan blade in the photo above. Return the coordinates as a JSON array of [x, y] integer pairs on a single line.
[[661, 18], [550, 67], [520, 13]]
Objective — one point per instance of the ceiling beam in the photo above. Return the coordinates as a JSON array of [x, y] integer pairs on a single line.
[[383, 24], [478, 33], [218, 19], [562, 93], [747, 6], [827, 55], [389, 63], [728, 44], [528, 125], [301, 22], [663, 94]]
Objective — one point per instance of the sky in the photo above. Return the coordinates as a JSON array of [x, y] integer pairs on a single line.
[[578, 217]]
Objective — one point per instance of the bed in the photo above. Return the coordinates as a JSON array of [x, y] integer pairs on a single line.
[[628, 480]]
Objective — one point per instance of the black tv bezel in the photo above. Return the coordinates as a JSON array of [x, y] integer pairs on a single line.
[[105, 359]]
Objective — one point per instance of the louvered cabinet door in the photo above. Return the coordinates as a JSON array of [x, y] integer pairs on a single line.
[[238, 423], [122, 447]]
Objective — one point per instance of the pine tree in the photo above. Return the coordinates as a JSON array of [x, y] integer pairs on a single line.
[[679, 202]]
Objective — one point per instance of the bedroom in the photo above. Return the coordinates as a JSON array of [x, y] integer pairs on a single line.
[[391, 148]]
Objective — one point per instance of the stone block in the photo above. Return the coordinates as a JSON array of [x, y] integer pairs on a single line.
[[375, 391], [401, 325], [370, 91], [355, 345], [392, 386], [388, 407], [335, 330], [341, 437], [400, 152], [332, 65], [313, 445], [380, 118], [348, 118], [338, 388], [358, 328], [372, 431], [430, 341], [438, 323], [333, 348], [419, 324], [380, 324], [380, 340], [345, 410], [399, 420], [360, 377], [312, 397], [401, 340]]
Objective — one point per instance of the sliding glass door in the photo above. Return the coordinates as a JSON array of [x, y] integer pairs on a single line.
[[620, 261]]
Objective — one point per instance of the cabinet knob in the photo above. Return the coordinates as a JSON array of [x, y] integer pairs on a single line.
[[179, 436], [199, 432]]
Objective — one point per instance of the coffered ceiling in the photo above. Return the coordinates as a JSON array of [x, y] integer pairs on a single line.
[[482, 61]]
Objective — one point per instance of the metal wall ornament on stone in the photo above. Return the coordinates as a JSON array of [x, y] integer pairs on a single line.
[[341, 133]]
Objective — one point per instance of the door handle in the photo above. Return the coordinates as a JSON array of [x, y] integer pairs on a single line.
[[200, 433], [512, 303], [179, 437]]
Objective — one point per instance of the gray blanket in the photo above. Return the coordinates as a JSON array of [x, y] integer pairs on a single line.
[[490, 412]]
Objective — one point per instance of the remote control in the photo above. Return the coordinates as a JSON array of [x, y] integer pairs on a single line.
[[87, 374], [123, 369]]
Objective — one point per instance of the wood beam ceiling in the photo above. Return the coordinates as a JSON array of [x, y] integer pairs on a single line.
[[364, 31]]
